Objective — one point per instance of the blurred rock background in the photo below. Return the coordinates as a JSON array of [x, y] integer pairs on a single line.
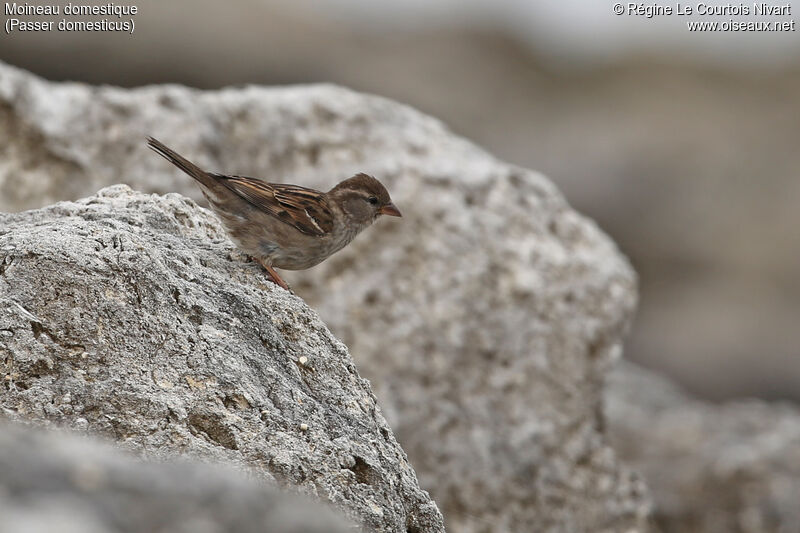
[[682, 146]]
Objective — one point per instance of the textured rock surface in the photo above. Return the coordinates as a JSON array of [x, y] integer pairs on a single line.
[[711, 468], [54, 482], [485, 318], [123, 314]]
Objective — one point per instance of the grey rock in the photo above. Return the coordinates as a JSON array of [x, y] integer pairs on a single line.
[[486, 318], [51, 481], [733, 467], [124, 314]]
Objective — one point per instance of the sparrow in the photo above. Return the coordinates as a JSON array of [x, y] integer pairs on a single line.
[[287, 226]]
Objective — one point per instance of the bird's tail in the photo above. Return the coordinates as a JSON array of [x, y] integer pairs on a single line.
[[181, 162]]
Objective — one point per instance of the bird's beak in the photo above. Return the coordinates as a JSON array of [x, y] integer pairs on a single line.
[[390, 210]]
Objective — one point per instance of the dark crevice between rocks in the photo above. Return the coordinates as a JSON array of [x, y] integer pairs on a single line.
[[362, 470], [37, 328], [213, 427], [20, 385], [235, 402], [196, 315], [411, 525]]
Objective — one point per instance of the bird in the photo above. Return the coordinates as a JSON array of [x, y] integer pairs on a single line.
[[287, 226]]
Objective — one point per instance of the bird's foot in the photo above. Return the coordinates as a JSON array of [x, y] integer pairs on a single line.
[[274, 277]]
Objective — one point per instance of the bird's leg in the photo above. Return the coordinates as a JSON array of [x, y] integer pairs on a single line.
[[277, 279], [274, 276]]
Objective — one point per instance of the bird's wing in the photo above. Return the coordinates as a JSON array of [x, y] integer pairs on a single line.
[[305, 209]]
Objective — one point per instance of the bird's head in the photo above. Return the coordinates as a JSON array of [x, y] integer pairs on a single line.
[[363, 199]]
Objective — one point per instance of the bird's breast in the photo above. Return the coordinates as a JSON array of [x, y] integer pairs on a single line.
[[314, 250]]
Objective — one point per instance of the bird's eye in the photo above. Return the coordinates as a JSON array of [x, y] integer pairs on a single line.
[[372, 200]]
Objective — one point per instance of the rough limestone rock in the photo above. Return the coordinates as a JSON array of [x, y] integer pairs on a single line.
[[485, 318], [711, 468], [54, 482], [124, 314]]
